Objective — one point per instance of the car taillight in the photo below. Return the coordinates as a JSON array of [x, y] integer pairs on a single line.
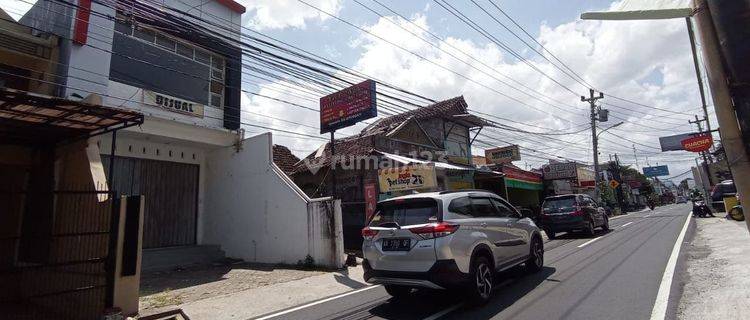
[[577, 212], [435, 230], [368, 233]]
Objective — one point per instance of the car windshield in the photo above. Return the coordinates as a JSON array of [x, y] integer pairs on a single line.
[[405, 212], [559, 204]]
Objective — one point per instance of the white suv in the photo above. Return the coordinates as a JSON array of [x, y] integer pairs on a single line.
[[448, 240]]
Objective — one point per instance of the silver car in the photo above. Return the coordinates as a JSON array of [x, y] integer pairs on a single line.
[[448, 240]]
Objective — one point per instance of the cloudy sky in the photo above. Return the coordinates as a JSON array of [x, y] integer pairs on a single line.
[[646, 62]]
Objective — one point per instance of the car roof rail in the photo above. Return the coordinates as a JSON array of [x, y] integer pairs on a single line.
[[466, 190]]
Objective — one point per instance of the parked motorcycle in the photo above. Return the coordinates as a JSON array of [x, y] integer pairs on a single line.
[[701, 210]]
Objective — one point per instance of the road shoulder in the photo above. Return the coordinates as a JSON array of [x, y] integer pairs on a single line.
[[716, 280]]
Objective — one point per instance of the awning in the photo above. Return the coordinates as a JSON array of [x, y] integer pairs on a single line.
[[407, 160], [643, 10], [28, 118]]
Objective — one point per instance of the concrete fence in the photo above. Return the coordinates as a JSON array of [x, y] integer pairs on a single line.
[[256, 213]]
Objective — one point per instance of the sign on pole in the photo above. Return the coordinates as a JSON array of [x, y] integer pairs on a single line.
[[655, 171], [613, 184], [698, 143], [674, 143], [502, 155], [348, 106]]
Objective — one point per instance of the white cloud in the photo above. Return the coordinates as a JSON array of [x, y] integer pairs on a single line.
[[617, 57], [279, 14], [16, 8]]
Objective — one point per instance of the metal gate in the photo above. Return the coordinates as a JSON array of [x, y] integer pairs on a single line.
[[171, 191], [56, 254]]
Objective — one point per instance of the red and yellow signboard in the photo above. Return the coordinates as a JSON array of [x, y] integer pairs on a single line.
[[347, 107], [698, 143], [371, 199]]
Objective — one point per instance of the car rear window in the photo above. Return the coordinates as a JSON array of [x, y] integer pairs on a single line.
[[405, 212], [559, 204]]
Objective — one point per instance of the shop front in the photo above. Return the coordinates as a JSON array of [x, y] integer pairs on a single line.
[[524, 188]]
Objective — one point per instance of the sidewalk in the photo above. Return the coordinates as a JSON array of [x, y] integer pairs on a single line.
[[717, 279], [254, 302]]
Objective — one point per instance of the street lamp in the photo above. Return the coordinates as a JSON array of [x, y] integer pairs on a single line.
[[596, 159], [616, 125]]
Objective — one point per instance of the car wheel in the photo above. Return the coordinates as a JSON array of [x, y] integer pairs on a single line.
[[551, 235], [536, 256], [591, 230], [482, 275], [397, 291], [605, 227]]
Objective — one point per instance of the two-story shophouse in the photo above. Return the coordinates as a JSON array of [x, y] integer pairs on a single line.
[[179, 63]]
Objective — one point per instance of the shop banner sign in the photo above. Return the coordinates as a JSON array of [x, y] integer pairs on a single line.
[[173, 104], [560, 170], [348, 106], [411, 177], [698, 143], [371, 200], [460, 180], [655, 171], [503, 154]]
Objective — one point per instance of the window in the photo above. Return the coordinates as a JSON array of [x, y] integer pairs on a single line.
[[503, 209], [483, 207], [185, 50], [165, 42], [405, 213], [460, 206], [144, 34], [202, 56]]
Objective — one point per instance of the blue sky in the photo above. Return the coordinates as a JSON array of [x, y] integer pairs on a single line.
[[322, 36]]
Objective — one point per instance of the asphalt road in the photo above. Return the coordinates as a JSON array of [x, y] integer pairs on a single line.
[[615, 275]]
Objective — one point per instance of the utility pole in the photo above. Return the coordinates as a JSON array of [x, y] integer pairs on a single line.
[[594, 141], [703, 154], [636, 159], [724, 102], [698, 73], [618, 175]]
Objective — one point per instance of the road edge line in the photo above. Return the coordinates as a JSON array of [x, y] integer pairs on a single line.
[[659, 312], [310, 304], [589, 242]]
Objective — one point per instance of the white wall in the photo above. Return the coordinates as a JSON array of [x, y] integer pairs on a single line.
[[127, 96], [255, 213], [88, 70]]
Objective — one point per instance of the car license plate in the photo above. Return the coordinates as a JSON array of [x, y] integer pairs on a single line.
[[396, 244]]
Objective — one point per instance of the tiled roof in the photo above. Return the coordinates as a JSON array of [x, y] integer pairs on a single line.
[[362, 144], [443, 108], [359, 145], [284, 158]]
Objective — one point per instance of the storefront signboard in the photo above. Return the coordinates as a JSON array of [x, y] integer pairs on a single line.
[[348, 106], [586, 176], [503, 154], [411, 177], [522, 179], [560, 170], [173, 104], [460, 179]]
